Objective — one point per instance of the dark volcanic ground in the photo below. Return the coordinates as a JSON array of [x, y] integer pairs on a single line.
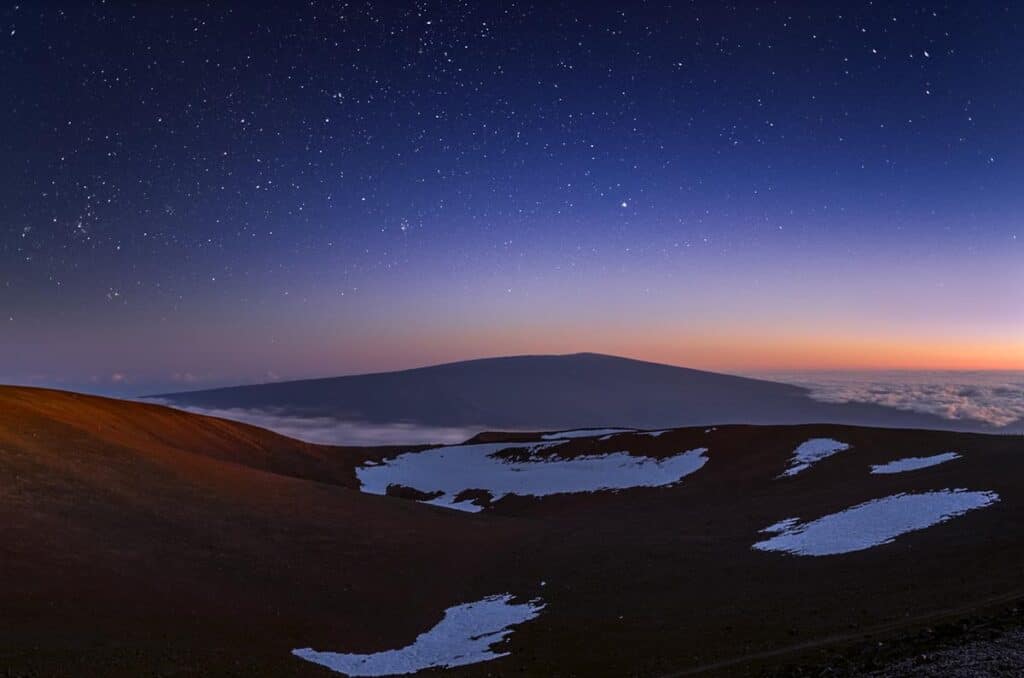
[[139, 540]]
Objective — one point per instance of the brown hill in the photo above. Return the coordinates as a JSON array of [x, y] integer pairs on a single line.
[[139, 540]]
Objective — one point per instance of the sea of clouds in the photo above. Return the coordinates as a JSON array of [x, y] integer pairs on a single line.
[[993, 397], [331, 431], [996, 398]]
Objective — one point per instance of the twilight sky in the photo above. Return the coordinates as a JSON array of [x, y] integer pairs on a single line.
[[196, 194]]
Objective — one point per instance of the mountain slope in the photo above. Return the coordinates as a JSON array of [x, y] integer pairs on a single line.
[[140, 540], [569, 391], [37, 417]]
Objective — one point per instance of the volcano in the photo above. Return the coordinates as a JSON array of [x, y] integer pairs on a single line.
[[555, 391], [140, 539]]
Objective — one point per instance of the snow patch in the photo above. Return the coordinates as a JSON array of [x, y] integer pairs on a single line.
[[652, 434], [585, 433], [455, 469], [872, 523], [914, 463], [812, 451], [781, 526], [466, 635]]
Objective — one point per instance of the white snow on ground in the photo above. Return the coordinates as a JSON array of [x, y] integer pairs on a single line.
[[451, 470], [652, 434], [465, 636], [872, 523], [585, 433], [781, 526], [814, 450], [914, 463]]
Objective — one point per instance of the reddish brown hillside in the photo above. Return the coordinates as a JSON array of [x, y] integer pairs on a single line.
[[46, 421], [136, 539], [139, 540]]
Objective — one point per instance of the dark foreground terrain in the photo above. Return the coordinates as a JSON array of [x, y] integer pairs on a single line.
[[141, 540]]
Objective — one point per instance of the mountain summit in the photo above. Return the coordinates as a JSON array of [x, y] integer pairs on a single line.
[[555, 391]]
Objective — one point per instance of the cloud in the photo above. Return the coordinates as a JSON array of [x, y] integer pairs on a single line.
[[994, 398], [331, 431]]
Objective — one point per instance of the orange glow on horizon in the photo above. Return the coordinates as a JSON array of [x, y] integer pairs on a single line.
[[734, 353], [852, 355]]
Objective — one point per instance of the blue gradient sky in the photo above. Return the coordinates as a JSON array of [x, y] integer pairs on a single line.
[[218, 194]]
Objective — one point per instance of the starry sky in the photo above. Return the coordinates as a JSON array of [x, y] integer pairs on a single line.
[[203, 193]]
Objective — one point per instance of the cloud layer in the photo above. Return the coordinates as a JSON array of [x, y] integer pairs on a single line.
[[331, 431], [993, 397], [996, 398]]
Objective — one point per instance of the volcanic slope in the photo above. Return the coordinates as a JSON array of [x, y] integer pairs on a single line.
[[142, 540]]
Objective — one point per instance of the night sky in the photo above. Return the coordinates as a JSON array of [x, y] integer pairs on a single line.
[[196, 194]]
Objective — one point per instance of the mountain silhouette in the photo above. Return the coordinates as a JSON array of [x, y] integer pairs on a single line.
[[557, 391]]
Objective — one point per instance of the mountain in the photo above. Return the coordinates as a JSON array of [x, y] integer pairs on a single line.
[[142, 540], [556, 391]]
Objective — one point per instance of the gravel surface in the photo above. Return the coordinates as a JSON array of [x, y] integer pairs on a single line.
[[1002, 655]]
